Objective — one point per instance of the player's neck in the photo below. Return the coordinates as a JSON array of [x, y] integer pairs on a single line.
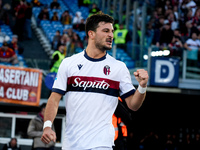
[[95, 53]]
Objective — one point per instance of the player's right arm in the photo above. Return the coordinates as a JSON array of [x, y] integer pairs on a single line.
[[58, 90], [50, 114]]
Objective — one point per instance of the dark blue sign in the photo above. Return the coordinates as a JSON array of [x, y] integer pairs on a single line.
[[164, 71], [49, 80]]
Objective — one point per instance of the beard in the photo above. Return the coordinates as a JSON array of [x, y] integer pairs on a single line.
[[102, 47]]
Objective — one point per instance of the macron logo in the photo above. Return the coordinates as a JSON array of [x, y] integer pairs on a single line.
[[79, 66]]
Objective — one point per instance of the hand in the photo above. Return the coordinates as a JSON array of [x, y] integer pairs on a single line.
[[48, 135], [142, 77]]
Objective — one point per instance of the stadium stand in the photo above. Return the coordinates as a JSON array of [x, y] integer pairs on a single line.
[[5, 29], [49, 28]]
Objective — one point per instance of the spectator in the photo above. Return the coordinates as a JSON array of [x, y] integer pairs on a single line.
[[28, 15], [191, 5], [193, 46], [70, 33], [188, 142], [43, 15], [121, 37], [178, 34], [66, 18], [183, 8], [20, 19], [196, 142], [14, 44], [156, 37], [188, 16], [57, 58], [175, 11], [4, 18], [155, 16], [160, 11], [80, 26], [56, 40], [159, 23], [55, 5], [149, 34], [187, 30], [12, 145], [168, 5], [151, 141], [65, 40], [170, 142], [7, 55], [94, 9], [35, 130], [76, 43], [158, 26], [77, 19], [4, 37], [176, 46], [196, 18], [55, 16], [172, 20], [36, 3], [68, 44], [166, 35], [86, 3]]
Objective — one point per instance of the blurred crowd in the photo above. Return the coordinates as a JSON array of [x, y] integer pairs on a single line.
[[171, 139], [66, 41], [175, 25], [171, 24], [68, 37], [14, 24]]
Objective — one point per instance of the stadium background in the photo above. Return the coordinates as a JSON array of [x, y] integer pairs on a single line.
[[166, 110]]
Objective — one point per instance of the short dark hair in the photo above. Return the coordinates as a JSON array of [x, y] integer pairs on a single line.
[[13, 139], [43, 105], [92, 22]]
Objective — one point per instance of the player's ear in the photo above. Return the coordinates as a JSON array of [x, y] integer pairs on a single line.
[[91, 34]]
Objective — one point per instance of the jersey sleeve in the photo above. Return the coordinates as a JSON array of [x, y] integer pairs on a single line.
[[126, 87], [60, 83]]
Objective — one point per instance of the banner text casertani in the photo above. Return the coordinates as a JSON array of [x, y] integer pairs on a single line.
[[20, 85]]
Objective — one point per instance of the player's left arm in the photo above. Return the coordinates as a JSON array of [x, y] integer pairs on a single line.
[[135, 101]]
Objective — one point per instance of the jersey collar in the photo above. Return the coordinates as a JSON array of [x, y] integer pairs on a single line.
[[93, 59]]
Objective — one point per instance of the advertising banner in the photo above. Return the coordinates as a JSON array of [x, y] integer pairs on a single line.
[[164, 71], [20, 85]]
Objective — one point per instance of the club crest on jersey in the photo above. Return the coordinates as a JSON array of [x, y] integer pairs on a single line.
[[106, 70]]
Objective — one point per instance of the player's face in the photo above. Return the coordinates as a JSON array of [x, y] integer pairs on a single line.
[[104, 36]]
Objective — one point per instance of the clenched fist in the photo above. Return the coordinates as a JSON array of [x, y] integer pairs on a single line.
[[142, 77], [48, 135]]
